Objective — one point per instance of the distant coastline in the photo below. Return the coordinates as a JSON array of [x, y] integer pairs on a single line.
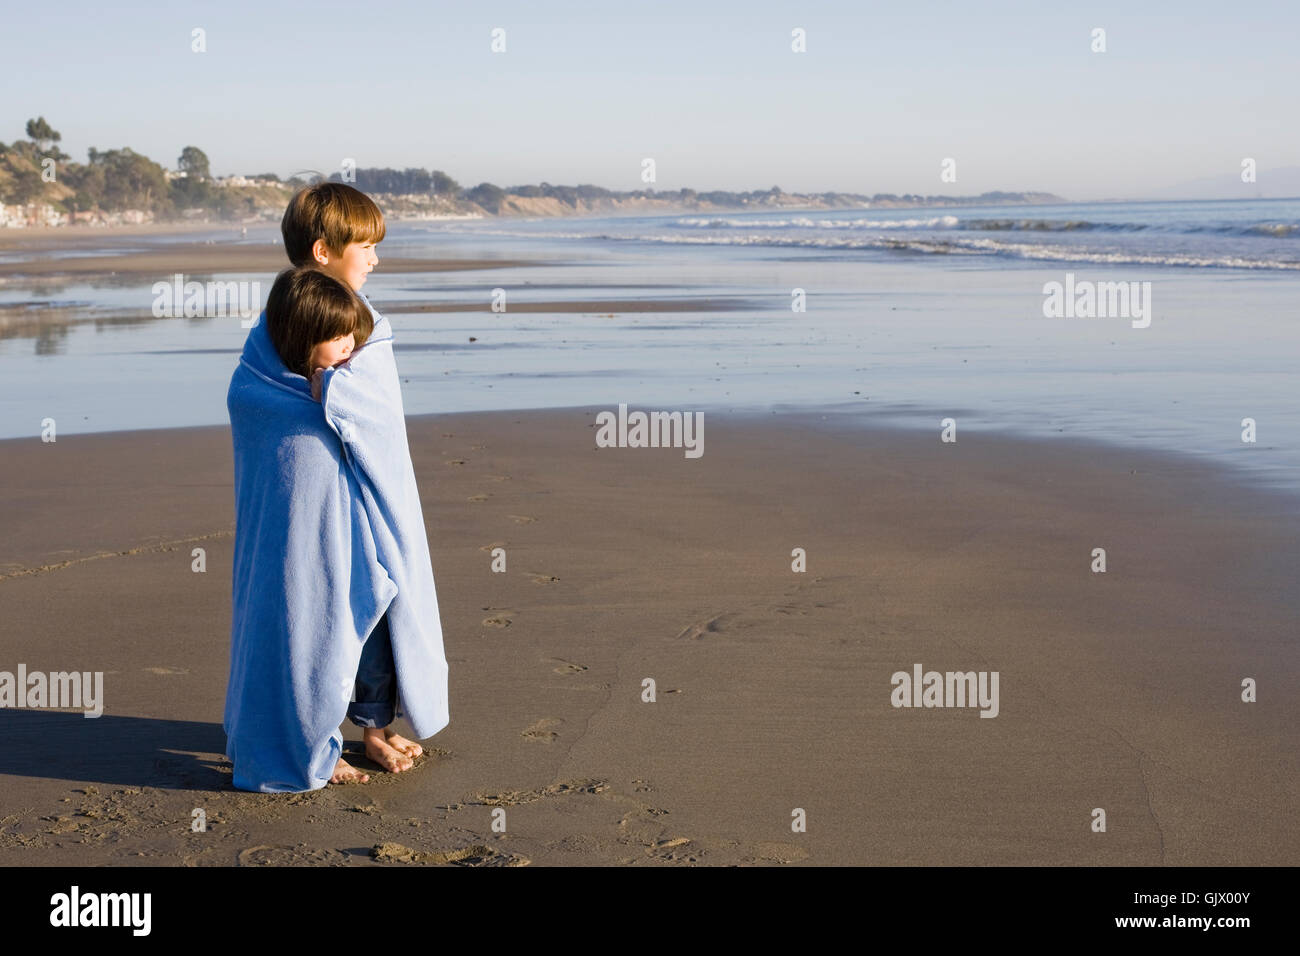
[[262, 201], [536, 202], [41, 186]]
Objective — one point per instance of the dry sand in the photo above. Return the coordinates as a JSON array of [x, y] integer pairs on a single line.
[[1118, 690]]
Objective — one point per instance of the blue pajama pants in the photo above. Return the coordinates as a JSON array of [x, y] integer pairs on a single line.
[[374, 696]]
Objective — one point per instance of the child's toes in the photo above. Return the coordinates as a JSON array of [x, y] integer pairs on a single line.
[[398, 742], [390, 758]]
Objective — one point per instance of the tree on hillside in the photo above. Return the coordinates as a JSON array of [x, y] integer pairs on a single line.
[[44, 136], [131, 181], [444, 185], [42, 133], [25, 185], [88, 181], [488, 196], [194, 163], [195, 187], [401, 182]]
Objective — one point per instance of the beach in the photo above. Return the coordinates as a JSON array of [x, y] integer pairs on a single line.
[[773, 691], [160, 252], [831, 638]]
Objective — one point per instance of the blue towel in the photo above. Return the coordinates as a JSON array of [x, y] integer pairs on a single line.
[[329, 536]]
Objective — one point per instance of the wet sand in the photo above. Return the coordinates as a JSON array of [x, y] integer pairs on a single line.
[[198, 258], [1118, 691], [155, 250], [682, 303]]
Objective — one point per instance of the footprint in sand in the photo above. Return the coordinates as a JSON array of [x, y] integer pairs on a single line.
[[541, 578], [703, 629], [776, 852], [514, 798], [498, 477], [567, 667], [644, 829], [674, 850], [283, 855], [521, 519], [167, 670], [456, 461], [477, 855], [728, 621], [542, 730], [493, 546], [497, 620], [805, 607], [477, 498], [791, 609]]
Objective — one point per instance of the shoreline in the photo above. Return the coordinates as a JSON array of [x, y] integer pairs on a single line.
[[1118, 690], [1144, 462], [217, 258], [12, 236], [1148, 460]]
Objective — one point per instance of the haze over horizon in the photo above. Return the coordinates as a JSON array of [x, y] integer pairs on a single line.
[[714, 95]]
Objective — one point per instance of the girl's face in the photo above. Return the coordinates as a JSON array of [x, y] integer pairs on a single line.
[[332, 353]]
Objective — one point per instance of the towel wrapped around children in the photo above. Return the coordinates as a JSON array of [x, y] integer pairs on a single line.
[[329, 536]]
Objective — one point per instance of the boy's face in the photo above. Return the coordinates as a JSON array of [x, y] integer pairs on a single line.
[[352, 266], [332, 353]]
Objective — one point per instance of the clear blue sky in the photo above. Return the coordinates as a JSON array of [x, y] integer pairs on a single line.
[[711, 91]]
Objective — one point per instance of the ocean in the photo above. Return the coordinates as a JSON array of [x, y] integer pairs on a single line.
[[1165, 325]]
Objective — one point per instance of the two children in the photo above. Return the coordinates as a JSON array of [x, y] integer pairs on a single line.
[[316, 318]]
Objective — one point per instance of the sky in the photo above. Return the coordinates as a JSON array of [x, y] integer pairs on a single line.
[[712, 92]]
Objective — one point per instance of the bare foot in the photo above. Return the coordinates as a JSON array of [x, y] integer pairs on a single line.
[[398, 742], [344, 772], [388, 757]]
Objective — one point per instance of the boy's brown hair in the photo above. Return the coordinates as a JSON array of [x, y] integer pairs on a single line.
[[306, 307], [335, 212]]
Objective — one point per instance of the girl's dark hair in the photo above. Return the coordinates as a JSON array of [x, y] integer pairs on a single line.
[[306, 307]]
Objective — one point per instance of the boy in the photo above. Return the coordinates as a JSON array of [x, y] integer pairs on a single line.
[[335, 228]]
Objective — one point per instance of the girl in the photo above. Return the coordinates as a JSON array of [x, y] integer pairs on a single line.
[[315, 322]]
